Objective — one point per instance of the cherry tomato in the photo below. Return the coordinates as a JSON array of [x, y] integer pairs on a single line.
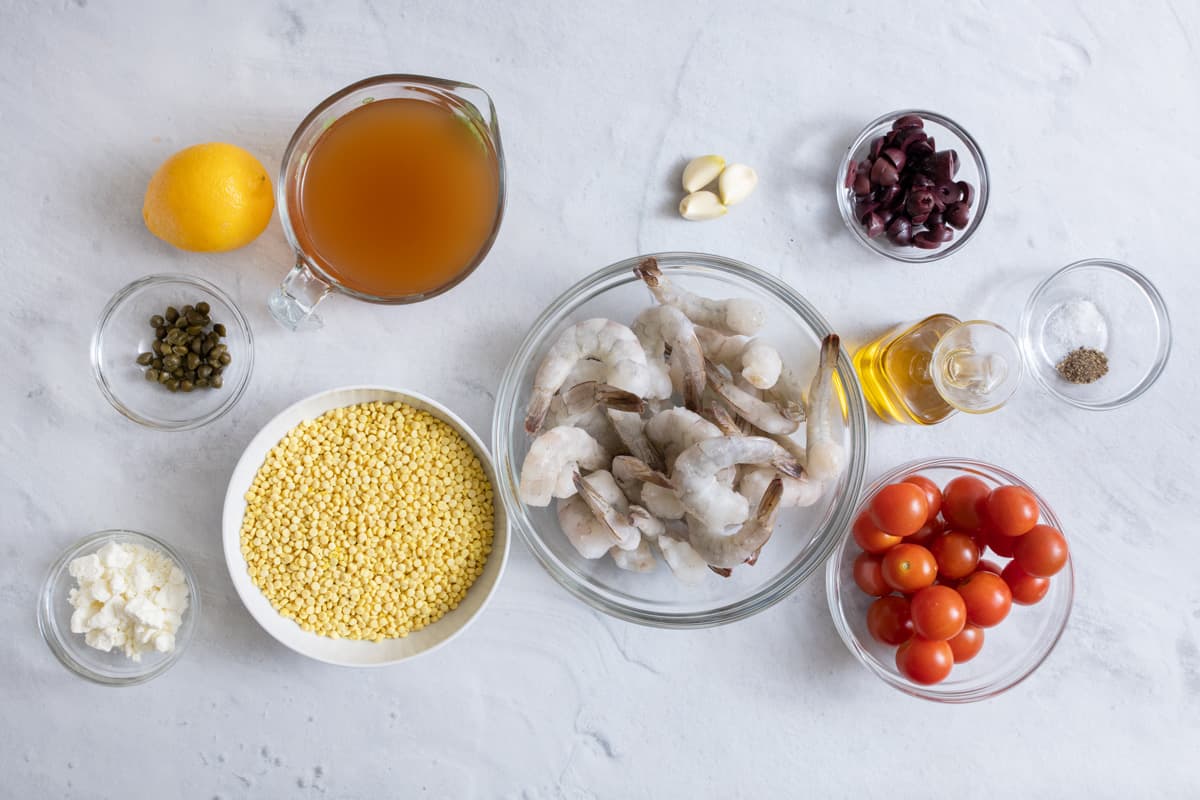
[[923, 661], [988, 599], [899, 509], [986, 565], [909, 567], [933, 495], [1000, 544], [1026, 589], [967, 644], [956, 554], [938, 613], [929, 531], [1011, 510], [1041, 552], [889, 620], [869, 576], [962, 503], [870, 538]]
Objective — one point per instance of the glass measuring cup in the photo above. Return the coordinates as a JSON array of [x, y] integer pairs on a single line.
[[314, 276]]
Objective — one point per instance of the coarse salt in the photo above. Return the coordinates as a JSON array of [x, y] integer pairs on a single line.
[[1073, 324]]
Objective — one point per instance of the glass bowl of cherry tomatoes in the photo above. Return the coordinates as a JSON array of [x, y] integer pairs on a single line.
[[955, 581]]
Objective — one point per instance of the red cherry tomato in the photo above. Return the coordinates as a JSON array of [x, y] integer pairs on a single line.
[[923, 661], [909, 567], [956, 554], [963, 501], [870, 538], [889, 620], [933, 495], [899, 509], [1041, 552], [967, 644], [868, 574], [1000, 544], [988, 566], [988, 599], [938, 613], [929, 531], [1011, 510], [1026, 589]]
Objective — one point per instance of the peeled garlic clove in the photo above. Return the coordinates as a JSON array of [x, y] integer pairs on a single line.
[[701, 205], [702, 171], [736, 183]]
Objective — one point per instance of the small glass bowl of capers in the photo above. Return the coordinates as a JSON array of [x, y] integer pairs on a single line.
[[172, 352]]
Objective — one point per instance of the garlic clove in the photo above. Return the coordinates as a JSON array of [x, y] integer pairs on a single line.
[[701, 205], [736, 183], [702, 171]]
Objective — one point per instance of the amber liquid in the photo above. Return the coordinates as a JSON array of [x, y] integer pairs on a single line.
[[895, 372], [398, 198]]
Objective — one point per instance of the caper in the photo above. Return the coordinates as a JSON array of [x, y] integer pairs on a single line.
[[204, 371], [186, 386], [145, 358], [179, 350], [192, 361], [173, 385], [196, 344], [201, 383], [203, 307], [209, 344], [157, 321], [171, 362], [194, 317], [172, 314], [216, 381], [219, 330], [152, 375], [225, 358], [184, 311], [163, 377], [160, 333], [157, 363], [172, 336]]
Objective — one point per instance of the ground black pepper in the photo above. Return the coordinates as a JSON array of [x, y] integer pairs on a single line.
[[1083, 365]]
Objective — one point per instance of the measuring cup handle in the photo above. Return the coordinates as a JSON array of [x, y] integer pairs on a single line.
[[293, 304]]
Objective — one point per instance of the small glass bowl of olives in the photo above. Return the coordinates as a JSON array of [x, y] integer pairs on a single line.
[[172, 352]]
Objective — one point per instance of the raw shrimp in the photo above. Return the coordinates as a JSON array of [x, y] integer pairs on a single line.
[[753, 359], [630, 473], [685, 563], [608, 504], [825, 429], [552, 458], [571, 404], [701, 493], [737, 315], [602, 339], [663, 329], [677, 429], [762, 414], [797, 492], [662, 502], [639, 559], [588, 534], [724, 550]]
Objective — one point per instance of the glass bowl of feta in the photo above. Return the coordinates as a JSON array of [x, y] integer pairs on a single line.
[[119, 607]]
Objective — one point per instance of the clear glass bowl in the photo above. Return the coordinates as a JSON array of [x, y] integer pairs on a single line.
[[124, 332], [1011, 651], [112, 668], [803, 538], [1136, 335], [948, 135]]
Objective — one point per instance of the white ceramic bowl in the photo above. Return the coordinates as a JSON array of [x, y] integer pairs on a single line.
[[345, 652]]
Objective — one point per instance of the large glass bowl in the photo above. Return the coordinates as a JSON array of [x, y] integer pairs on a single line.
[[803, 538], [1011, 651]]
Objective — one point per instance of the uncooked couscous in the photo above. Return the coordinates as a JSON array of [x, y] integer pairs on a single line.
[[368, 522]]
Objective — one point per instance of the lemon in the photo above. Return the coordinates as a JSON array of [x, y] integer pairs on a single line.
[[209, 198]]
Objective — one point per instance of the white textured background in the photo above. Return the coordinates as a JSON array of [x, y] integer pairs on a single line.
[[1089, 117]]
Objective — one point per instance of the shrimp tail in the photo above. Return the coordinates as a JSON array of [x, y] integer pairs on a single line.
[[724, 419], [829, 349], [787, 466], [535, 415], [582, 397], [598, 505], [642, 471], [724, 572], [769, 504], [648, 270]]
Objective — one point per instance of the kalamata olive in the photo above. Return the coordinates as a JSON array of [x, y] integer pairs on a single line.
[[967, 192], [887, 196], [957, 215], [864, 209], [920, 147], [948, 192], [945, 165], [908, 121], [862, 185], [918, 219], [907, 138], [934, 219], [900, 231], [884, 173], [926, 242], [851, 172], [920, 202], [874, 224], [896, 156], [939, 233], [876, 147], [920, 181]]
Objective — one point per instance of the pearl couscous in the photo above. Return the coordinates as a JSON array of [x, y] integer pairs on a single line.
[[368, 522]]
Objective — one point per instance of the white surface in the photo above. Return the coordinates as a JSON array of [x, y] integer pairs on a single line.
[[347, 652], [1088, 117]]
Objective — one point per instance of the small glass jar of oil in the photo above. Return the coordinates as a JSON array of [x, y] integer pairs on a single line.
[[922, 372]]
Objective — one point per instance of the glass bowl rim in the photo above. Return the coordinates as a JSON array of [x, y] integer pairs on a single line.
[[123, 295], [1148, 290], [590, 287], [833, 597], [981, 195], [46, 599]]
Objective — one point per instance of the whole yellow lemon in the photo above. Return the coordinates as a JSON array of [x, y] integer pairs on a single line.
[[209, 198]]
